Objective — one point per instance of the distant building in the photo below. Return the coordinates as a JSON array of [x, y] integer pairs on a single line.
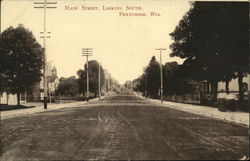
[[110, 84], [11, 99], [128, 84], [233, 88], [52, 81], [36, 91]]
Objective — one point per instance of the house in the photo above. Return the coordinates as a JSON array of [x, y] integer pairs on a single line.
[[34, 93], [234, 89], [52, 82], [11, 99]]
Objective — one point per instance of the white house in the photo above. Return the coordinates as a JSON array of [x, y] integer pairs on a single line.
[[234, 88]]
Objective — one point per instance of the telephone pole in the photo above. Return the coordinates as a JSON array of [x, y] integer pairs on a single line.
[[0, 18], [43, 5], [161, 74], [87, 52], [105, 85], [0, 41]]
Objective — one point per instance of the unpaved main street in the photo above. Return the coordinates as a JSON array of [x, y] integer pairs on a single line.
[[120, 127]]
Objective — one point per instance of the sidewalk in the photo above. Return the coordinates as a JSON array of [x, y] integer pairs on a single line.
[[236, 117], [39, 108]]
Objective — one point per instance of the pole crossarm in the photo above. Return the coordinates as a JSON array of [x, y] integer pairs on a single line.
[[46, 2], [47, 32], [45, 35], [160, 49], [87, 51], [44, 5], [87, 48]]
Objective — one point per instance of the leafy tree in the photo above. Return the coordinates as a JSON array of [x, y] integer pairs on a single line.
[[213, 39], [21, 59], [149, 81], [81, 81], [68, 87], [139, 84], [175, 81], [170, 80], [93, 77], [152, 76]]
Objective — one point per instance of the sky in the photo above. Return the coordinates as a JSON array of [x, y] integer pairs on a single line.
[[123, 45]]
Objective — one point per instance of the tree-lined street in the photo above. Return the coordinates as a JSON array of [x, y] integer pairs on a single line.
[[170, 86], [121, 127]]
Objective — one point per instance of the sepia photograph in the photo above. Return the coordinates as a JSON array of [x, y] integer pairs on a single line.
[[124, 80]]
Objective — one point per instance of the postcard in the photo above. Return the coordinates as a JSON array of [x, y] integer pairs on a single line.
[[124, 80]]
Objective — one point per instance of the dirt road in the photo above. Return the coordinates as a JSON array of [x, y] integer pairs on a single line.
[[120, 127]]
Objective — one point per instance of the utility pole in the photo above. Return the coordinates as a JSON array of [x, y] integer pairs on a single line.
[[87, 52], [105, 85], [44, 6], [99, 82], [1, 18], [161, 74], [0, 43]]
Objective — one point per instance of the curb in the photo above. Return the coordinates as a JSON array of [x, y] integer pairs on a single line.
[[39, 109], [226, 119]]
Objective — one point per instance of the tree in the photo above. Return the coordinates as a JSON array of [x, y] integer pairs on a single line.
[[81, 81], [93, 77], [68, 87], [171, 81], [212, 37], [175, 81], [22, 59], [149, 81], [152, 76], [139, 84]]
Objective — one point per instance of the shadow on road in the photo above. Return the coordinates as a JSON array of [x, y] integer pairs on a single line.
[[4, 107]]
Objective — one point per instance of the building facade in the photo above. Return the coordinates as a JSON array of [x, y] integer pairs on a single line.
[[35, 92], [234, 89]]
